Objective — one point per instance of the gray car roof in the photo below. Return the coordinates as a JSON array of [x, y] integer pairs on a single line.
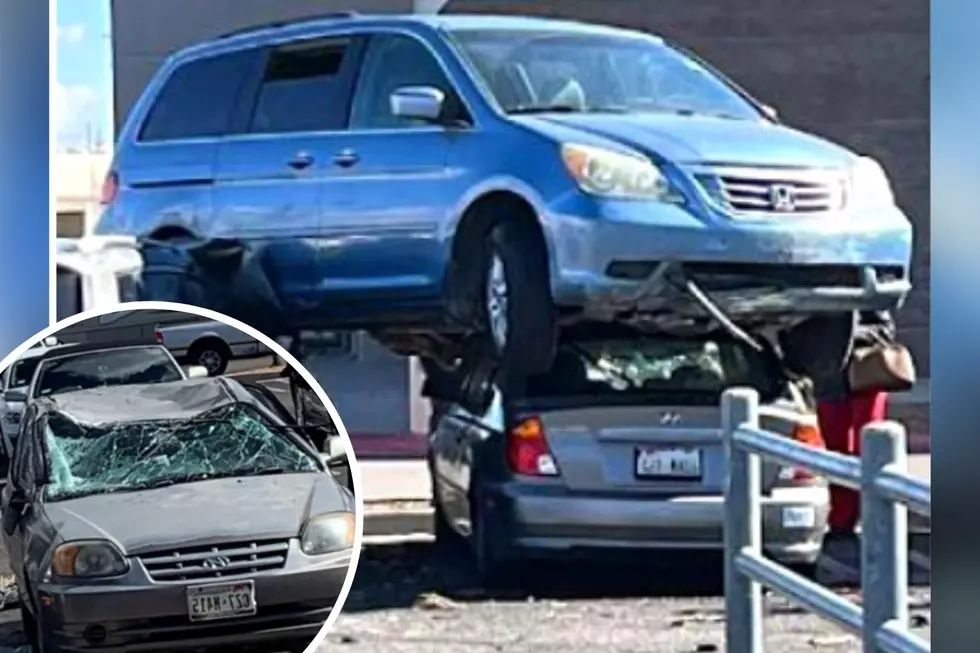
[[154, 401]]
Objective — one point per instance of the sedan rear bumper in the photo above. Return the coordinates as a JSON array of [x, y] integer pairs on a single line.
[[534, 522], [136, 614]]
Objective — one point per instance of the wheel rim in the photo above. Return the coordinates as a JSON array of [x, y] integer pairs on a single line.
[[497, 302], [211, 360]]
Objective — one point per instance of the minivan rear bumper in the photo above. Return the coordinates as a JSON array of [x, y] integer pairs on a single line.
[[531, 521]]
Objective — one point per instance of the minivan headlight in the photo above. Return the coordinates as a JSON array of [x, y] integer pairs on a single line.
[[88, 559], [328, 533], [606, 173], [870, 188]]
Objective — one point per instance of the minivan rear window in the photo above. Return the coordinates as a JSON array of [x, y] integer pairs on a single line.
[[625, 368], [198, 99]]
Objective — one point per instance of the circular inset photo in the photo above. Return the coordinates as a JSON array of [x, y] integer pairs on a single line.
[[173, 479]]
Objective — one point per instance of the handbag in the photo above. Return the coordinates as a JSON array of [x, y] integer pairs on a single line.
[[882, 367]]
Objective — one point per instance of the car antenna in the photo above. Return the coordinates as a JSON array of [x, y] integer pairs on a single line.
[[283, 23]]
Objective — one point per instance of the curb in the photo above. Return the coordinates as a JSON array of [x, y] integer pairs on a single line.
[[387, 523]]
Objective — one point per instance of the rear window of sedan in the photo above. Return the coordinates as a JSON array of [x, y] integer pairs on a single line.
[[111, 367], [636, 368]]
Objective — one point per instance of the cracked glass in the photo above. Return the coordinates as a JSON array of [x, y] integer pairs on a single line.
[[230, 441]]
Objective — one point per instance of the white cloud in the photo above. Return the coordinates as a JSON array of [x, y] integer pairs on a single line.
[[71, 34], [73, 107]]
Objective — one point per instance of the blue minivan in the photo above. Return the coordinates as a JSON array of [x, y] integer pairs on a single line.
[[443, 179]]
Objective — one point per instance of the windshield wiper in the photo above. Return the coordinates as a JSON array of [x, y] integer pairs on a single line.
[[562, 108]]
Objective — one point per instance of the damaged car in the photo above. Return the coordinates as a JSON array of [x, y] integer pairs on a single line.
[[617, 449], [172, 516], [433, 177]]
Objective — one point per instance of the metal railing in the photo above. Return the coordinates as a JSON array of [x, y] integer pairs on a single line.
[[887, 493]]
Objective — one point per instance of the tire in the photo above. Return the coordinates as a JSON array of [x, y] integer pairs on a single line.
[[29, 623], [516, 309], [493, 571], [211, 354]]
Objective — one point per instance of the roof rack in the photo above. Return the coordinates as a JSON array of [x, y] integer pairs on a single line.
[[283, 23]]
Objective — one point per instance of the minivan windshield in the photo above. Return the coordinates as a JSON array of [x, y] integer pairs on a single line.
[[530, 71], [109, 367], [628, 369], [230, 441]]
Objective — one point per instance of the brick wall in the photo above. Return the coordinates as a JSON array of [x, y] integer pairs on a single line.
[[856, 72]]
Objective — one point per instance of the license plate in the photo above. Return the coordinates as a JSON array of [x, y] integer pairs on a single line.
[[221, 601], [678, 463], [799, 517]]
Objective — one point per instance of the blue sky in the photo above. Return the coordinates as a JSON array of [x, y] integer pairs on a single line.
[[83, 98]]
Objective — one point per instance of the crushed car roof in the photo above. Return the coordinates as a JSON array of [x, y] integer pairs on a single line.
[[150, 402]]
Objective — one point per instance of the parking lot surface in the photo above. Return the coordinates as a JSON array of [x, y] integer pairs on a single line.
[[414, 599]]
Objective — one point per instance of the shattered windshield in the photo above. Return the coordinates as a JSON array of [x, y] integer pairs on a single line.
[[22, 372], [110, 367], [230, 441]]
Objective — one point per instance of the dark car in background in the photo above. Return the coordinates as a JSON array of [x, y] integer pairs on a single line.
[[172, 516], [617, 448]]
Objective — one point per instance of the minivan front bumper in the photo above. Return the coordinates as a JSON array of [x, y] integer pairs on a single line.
[[606, 254]]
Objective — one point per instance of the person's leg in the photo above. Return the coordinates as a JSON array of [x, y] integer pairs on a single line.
[[865, 407], [836, 426]]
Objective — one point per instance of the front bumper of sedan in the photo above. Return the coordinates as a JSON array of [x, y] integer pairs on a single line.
[[136, 613]]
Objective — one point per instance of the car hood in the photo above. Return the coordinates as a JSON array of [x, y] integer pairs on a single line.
[[698, 139], [190, 514]]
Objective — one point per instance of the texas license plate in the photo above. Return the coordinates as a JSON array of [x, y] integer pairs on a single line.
[[678, 463], [221, 601]]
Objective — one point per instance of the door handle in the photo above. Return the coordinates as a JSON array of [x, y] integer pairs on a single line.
[[301, 161], [346, 158]]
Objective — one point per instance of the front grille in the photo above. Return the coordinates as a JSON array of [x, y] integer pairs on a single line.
[[217, 561], [774, 191]]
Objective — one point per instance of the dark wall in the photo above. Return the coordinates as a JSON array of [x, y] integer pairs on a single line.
[[854, 71]]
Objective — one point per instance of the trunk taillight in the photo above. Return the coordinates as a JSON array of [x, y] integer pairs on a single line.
[[527, 449], [158, 336], [808, 434], [110, 186]]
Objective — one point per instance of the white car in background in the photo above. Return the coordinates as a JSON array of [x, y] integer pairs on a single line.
[[18, 377], [209, 344], [96, 272]]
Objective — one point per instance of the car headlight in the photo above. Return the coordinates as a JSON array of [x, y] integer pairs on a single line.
[[615, 175], [870, 188], [88, 559], [328, 533]]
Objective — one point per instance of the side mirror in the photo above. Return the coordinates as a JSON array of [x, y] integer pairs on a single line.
[[196, 371], [770, 112], [418, 103], [15, 510], [15, 396]]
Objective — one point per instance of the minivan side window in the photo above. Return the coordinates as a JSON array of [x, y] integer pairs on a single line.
[[199, 98], [303, 89], [391, 62]]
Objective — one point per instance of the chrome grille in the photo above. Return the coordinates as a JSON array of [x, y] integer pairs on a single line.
[[774, 191], [217, 561]]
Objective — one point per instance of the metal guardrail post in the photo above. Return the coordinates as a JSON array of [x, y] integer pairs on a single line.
[[884, 526], [743, 523]]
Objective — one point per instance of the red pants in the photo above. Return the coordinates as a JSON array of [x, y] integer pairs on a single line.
[[841, 424]]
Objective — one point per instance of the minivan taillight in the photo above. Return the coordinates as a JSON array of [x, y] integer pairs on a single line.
[[808, 434], [527, 449], [158, 336], [110, 186]]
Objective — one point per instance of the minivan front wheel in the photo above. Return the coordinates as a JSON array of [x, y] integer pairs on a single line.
[[517, 310]]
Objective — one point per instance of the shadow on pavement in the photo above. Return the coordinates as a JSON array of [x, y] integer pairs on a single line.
[[406, 575]]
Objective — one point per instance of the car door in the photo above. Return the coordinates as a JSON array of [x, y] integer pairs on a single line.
[[20, 479], [397, 186], [273, 174]]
